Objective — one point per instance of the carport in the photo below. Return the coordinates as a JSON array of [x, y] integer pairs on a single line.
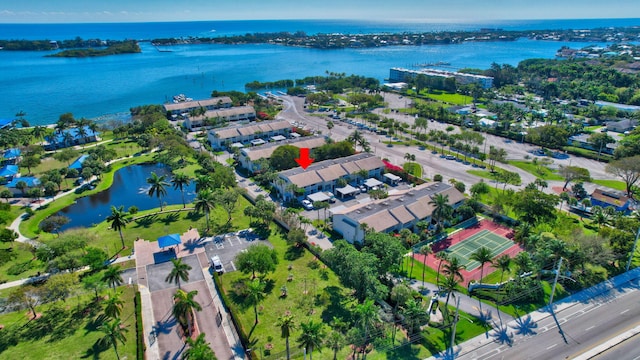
[[346, 191], [319, 196], [392, 178], [371, 182]]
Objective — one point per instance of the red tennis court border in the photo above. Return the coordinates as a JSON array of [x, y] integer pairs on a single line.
[[461, 235]]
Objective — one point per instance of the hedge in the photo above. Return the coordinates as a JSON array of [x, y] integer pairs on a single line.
[[140, 348]]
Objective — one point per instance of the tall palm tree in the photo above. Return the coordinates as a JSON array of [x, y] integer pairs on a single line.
[[286, 324], [180, 181], [113, 332], [158, 187], [335, 341], [183, 307], [453, 268], [255, 293], [179, 272], [502, 263], [412, 239], [118, 220], [366, 316], [442, 256], [203, 181], [205, 202], [38, 132], [449, 286], [442, 210], [415, 315], [113, 306], [113, 276], [483, 256], [425, 250], [198, 349], [312, 336]]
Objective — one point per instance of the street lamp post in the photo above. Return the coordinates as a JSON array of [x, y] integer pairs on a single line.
[[633, 249]]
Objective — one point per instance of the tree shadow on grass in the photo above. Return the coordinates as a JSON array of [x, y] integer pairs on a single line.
[[169, 218], [237, 294], [94, 351], [194, 216], [294, 253], [336, 307], [146, 221]]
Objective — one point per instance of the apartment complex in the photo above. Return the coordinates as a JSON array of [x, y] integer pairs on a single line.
[[402, 209], [323, 176], [240, 113], [242, 135], [397, 75], [249, 156], [209, 104]]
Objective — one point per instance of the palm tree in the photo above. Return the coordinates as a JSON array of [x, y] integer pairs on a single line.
[[180, 181], [286, 324], [442, 256], [158, 187], [335, 341], [312, 336], [453, 268], [203, 182], [114, 332], [449, 286], [425, 250], [442, 210], [118, 220], [183, 307], [113, 306], [414, 315], [113, 276], [38, 132], [600, 216], [366, 316], [205, 202], [198, 349], [483, 256], [502, 263], [255, 293], [179, 272]]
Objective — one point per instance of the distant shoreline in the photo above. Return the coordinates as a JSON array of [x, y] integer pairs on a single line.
[[84, 48]]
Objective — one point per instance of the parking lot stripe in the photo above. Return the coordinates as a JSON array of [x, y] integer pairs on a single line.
[[233, 265]]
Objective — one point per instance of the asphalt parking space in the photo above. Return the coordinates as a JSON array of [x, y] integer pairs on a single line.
[[157, 273], [228, 246]]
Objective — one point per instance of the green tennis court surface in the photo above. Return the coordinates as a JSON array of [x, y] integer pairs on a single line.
[[463, 250]]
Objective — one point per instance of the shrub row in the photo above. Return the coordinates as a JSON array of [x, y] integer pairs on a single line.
[[140, 348]]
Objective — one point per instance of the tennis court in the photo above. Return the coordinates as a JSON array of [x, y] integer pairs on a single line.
[[463, 250]]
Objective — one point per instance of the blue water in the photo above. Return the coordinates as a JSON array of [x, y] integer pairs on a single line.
[[129, 189], [93, 87]]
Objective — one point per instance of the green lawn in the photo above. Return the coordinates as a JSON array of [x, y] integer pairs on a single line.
[[454, 99], [538, 170], [65, 331], [613, 184], [413, 168], [17, 262], [322, 301], [485, 174]]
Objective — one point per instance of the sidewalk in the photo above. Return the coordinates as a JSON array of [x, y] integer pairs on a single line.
[[564, 304], [44, 276]]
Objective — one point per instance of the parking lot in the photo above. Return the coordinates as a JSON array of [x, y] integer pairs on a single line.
[[228, 246]]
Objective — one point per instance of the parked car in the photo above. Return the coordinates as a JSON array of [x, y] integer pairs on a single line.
[[217, 264], [307, 204]]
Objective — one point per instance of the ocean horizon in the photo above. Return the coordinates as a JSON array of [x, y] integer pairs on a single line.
[[107, 87]]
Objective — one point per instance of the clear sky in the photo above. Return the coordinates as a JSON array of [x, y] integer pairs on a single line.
[[63, 11]]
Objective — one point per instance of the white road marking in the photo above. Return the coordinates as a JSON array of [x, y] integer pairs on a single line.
[[624, 311], [589, 328], [552, 346], [233, 266]]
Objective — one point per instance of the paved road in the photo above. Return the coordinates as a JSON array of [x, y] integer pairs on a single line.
[[432, 163], [581, 323], [628, 350]]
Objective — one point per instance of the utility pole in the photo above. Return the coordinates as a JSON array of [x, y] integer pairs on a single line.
[[633, 250], [555, 282], [453, 327]]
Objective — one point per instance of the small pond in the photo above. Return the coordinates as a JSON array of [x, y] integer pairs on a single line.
[[129, 188]]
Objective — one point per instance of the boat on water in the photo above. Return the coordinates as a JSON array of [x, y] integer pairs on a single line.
[[181, 98]]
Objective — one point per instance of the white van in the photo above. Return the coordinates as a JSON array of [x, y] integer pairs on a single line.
[[217, 264]]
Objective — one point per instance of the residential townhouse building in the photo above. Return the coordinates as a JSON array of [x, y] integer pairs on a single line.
[[243, 134], [403, 209]]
